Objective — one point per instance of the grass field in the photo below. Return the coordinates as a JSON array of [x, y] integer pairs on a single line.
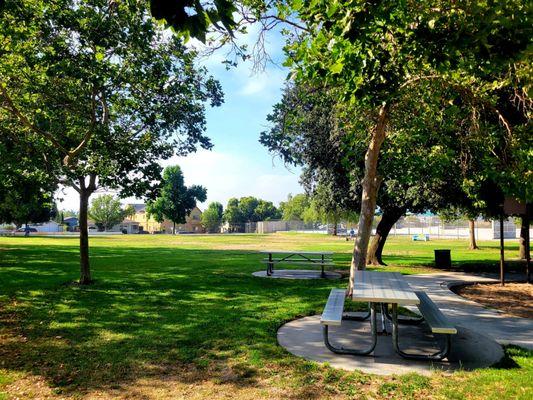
[[182, 317]]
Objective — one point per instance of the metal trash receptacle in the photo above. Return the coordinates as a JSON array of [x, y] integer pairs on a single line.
[[443, 258]]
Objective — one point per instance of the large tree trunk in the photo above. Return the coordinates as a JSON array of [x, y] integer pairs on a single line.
[[472, 229], [369, 196], [85, 270], [524, 233], [375, 250]]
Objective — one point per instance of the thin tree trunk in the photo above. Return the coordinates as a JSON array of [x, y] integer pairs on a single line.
[[369, 196], [472, 229], [85, 270], [85, 192], [375, 250], [335, 228], [173, 228], [524, 230]]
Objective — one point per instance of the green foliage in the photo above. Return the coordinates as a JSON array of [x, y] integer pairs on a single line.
[[249, 209], [212, 217], [184, 20], [106, 211], [295, 207], [125, 95], [175, 200]]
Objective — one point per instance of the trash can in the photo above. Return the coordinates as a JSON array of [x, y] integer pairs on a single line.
[[443, 258]]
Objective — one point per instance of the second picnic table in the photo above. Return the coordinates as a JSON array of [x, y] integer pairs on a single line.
[[321, 258]]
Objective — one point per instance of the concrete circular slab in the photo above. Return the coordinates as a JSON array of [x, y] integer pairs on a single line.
[[297, 274], [303, 338]]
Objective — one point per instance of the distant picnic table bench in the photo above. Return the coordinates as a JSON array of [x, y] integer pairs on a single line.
[[321, 258], [423, 237]]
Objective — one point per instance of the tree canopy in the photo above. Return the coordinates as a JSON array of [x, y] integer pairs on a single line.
[[212, 217], [106, 211], [175, 201]]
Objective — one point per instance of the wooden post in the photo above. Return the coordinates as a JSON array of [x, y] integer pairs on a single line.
[[502, 276]]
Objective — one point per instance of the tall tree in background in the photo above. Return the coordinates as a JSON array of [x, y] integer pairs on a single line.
[[106, 211], [101, 90], [175, 201], [295, 207], [212, 217]]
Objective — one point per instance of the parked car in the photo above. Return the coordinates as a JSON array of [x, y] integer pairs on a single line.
[[23, 229]]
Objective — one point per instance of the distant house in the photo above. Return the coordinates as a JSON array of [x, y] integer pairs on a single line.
[[50, 226], [147, 223], [72, 224]]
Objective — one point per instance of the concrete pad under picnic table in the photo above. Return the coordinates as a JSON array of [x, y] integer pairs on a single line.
[[303, 337], [297, 274]]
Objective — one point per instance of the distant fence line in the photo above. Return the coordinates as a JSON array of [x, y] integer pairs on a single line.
[[406, 226]]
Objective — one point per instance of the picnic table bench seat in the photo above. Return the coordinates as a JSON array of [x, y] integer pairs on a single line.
[[322, 258], [439, 325], [434, 317]]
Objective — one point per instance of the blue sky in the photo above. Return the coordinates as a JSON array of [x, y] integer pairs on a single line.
[[238, 165]]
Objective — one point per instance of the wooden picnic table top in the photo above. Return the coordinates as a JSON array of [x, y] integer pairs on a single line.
[[383, 287], [296, 252]]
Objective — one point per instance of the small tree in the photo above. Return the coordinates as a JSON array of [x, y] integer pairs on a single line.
[[175, 201], [103, 92], [212, 217], [106, 212]]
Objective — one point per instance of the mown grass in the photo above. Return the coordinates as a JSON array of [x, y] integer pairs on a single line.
[[186, 310]]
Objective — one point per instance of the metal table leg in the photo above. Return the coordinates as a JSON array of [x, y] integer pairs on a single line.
[[438, 356], [357, 352], [403, 321]]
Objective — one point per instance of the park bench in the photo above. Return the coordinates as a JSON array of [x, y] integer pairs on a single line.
[[320, 258], [421, 237], [380, 289]]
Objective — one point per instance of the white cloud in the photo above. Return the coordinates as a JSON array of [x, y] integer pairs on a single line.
[[224, 175]]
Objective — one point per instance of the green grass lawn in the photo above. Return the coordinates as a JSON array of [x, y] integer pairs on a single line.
[[172, 316]]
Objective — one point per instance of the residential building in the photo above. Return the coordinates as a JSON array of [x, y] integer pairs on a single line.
[[147, 223]]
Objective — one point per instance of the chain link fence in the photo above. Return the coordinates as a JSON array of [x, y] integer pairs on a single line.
[[409, 225]]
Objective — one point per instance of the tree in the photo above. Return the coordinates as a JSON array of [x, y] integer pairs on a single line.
[[26, 191], [266, 211], [294, 208], [106, 211], [212, 217], [175, 201], [372, 51], [103, 92]]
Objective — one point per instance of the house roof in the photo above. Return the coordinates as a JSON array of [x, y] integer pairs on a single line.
[[138, 207]]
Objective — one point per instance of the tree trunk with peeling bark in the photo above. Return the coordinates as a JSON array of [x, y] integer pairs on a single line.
[[375, 250], [370, 186], [472, 230]]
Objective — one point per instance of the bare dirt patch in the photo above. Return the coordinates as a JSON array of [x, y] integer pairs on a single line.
[[513, 298]]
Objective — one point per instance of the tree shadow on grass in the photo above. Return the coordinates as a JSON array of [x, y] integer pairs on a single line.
[[150, 309]]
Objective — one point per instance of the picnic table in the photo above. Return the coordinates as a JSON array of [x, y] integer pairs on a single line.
[[321, 258], [381, 289]]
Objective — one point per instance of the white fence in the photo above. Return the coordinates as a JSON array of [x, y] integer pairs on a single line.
[[406, 226]]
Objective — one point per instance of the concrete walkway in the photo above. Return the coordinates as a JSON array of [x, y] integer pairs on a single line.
[[495, 324]]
